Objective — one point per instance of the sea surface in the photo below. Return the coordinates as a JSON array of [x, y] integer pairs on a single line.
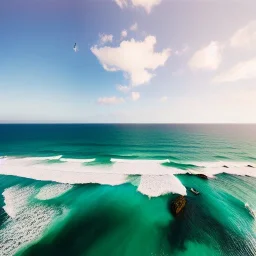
[[106, 189]]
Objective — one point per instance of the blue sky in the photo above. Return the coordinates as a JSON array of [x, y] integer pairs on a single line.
[[136, 61]]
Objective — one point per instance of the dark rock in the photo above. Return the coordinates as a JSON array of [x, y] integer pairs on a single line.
[[250, 166], [225, 166], [178, 204], [202, 176]]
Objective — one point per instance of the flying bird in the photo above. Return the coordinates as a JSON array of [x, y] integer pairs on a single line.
[[75, 48]]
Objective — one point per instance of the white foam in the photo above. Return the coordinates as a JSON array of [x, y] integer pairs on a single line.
[[27, 223], [73, 160], [116, 160], [219, 164], [157, 185], [251, 211], [42, 158], [2, 159], [211, 169], [75, 173], [52, 191], [15, 198]]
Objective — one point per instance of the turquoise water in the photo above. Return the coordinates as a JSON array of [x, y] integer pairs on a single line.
[[106, 189]]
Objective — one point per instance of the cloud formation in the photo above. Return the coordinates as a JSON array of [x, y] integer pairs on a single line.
[[136, 59], [124, 33], [121, 3], [135, 96], [146, 4], [245, 37], [207, 58], [242, 71], [104, 38], [110, 100], [123, 88], [134, 27]]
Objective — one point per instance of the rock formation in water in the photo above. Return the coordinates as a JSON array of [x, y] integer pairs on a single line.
[[202, 176], [178, 204]]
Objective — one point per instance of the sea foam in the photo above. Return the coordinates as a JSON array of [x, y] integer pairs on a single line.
[[53, 190], [74, 172], [116, 160], [27, 222], [211, 169], [15, 198], [157, 185], [43, 158], [72, 160]]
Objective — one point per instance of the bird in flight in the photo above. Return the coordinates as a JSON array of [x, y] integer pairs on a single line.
[[75, 48]]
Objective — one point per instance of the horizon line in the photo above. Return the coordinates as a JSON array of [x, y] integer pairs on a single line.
[[85, 123]]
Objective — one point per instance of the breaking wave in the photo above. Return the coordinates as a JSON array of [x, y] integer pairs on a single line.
[[157, 185], [27, 222], [157, 176], [52, 191], [116, 160], [72, 160], [43, 158], [211, 169]]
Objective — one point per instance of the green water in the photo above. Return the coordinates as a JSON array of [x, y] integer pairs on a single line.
[[96, 219]]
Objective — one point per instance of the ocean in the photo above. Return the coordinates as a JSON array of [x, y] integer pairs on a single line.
[[106, 189]]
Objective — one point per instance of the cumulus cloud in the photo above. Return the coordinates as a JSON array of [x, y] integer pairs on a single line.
[[123, 88], [164, 99], [124, 33], [242, 71], [134, 27], [104, 38], [207, 58], [136, 59], [245, 37], [110, 100], [135, 96], [146, 4]]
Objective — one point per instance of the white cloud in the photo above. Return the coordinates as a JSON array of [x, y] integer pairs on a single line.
[[135, 96], [242, 71], [134, 27], [208, 58], [110, 100], [245, 37], [124, 33], [121, 3], [137, 59], [123, 88], [164, 99], [104, 38], [146, 4]]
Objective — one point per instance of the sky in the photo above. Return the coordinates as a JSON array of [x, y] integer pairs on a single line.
[[128, 61]]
